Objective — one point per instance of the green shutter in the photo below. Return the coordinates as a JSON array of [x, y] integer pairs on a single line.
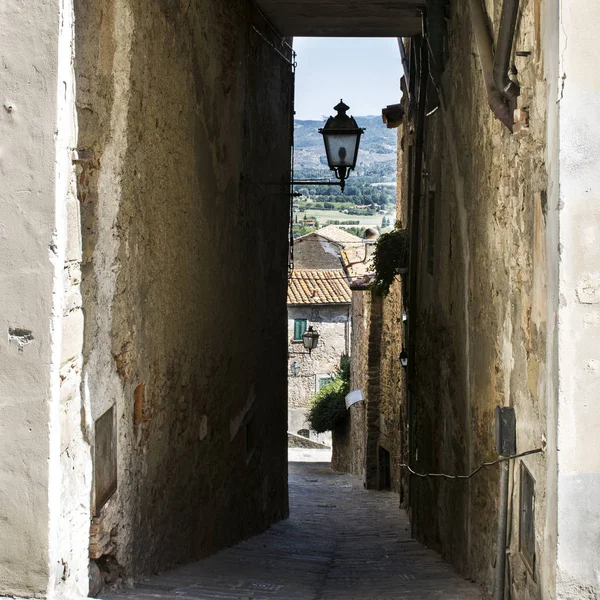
[[323, 381], [299, 329]]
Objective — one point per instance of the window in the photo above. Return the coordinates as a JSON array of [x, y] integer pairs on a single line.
[[322, 380], [299, 329]]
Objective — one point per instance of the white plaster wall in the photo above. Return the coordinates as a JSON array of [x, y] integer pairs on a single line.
[[71, 474], [550, 54], [578, 563], [40, 552]]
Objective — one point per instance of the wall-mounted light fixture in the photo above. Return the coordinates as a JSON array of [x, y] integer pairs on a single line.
[[295, 368], [310, 339], [404, 357], [341, 135]]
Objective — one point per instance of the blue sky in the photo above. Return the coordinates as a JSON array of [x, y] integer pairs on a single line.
[[365, 72]]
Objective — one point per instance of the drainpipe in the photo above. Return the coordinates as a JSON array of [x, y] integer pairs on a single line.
[[415, 213], [506, 34], [405, 66], [484, 44], [506, 445], [502, 528]]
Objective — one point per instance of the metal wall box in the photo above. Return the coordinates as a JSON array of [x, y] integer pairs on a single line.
[[105, 458], [506, 431]]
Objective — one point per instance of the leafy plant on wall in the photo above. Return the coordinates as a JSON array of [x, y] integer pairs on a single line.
[[390, 259]]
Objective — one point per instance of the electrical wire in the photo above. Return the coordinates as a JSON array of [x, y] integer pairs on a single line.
[[287, 60], [479, 468], [272, 27]]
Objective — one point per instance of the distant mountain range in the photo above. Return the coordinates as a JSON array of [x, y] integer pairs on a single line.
[[376, 156]]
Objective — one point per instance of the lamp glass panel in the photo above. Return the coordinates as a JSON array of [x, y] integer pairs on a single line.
[[341, 148]]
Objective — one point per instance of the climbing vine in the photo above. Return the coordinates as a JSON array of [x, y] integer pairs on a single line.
[[390, 259]]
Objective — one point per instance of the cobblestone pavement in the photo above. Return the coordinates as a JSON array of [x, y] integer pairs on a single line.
[[340, 542]]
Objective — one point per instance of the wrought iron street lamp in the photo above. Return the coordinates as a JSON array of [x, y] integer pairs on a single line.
[[341, 136], [310, 339], [296, 368]]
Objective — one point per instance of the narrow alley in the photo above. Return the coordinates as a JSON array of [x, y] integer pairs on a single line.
[[339, 542]]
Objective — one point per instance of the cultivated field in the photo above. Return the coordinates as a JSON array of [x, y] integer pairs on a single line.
[[324, 215]]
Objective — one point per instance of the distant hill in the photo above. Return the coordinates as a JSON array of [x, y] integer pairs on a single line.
[[376, 156]]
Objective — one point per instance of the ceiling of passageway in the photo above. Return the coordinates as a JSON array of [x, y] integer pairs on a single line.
[[344, 18]]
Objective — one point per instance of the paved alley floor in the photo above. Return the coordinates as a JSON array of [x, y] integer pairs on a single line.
[[340, 542]]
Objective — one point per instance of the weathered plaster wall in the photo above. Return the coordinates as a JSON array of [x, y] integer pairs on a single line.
[[481, 324], [44, 458], [182, 108], [578, 260], [333, 324]]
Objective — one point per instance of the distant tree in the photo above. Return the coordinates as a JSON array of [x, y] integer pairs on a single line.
[[358, 231]]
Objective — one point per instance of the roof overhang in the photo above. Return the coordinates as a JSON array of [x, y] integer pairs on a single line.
[[347, 18], [313, 304]]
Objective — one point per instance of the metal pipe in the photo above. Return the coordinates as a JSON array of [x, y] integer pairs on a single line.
[[486, 58], [502, 528], [405, 66], [506, 34], [415, 209]]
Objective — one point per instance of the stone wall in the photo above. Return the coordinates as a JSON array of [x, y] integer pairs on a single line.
[[480, 322], [183, 111], [373, 427], [333, 324], [315, 252]]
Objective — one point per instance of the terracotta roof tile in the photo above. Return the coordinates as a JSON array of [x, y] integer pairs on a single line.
[[318, 287]]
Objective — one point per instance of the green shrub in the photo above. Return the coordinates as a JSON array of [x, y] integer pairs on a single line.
[[328, 407]]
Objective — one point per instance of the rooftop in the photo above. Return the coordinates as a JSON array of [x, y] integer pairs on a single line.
[[356, 259], [318, 287], [333, 233]]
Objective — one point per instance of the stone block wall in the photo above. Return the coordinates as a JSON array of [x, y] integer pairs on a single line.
[[184, 112], [481, 325], [373, 427]]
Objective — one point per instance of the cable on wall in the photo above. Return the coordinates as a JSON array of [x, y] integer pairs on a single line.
[[479, 468]]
